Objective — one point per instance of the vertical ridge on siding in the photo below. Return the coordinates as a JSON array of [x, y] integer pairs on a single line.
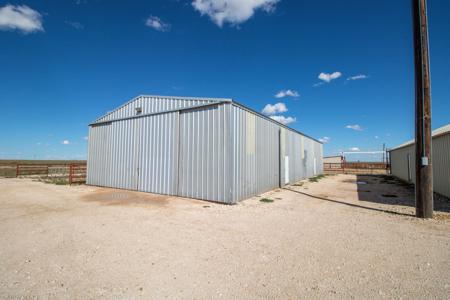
[[259, 171], [202, 154], [440, 161]]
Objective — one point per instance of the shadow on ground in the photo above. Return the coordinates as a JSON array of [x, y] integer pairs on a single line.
[[386, 189], [349, 204]]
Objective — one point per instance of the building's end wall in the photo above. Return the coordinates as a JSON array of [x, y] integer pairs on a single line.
[[440, 161]]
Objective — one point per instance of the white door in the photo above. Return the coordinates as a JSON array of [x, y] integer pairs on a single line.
[[286, 169], [315, 166]]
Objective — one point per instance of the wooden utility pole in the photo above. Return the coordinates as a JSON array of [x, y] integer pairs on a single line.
[[424, 171]]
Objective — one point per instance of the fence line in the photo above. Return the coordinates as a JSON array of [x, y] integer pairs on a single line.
[[73, 172], [356, 168], [77, 173]]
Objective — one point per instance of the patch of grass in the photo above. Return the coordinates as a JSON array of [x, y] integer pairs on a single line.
[[298, 184], [316, 178], [266, 200], [57, 181]]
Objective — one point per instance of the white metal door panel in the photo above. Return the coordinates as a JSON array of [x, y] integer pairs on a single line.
[[286, 169], [315, 166]]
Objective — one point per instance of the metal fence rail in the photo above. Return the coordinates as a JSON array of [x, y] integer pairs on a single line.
[[356, 168], [77, 173], [71, 173]]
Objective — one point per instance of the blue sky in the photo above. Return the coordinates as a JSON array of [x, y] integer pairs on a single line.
[[64, 63]]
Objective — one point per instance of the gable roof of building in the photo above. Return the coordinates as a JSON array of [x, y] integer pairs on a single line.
[[210, 100]]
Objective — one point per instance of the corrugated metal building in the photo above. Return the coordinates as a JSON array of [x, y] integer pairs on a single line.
[[204, 148], [403, 161]]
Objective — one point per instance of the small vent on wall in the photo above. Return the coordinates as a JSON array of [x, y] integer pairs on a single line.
[[138, 110]]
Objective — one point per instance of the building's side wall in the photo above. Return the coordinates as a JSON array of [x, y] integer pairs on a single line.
[[400, 160], [260, 148], [441, 165], [303, 154], [150, 104], [205, 154], [440, 161], [255, 156]]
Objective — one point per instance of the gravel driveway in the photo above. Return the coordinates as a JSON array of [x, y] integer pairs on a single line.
[[347, 241]]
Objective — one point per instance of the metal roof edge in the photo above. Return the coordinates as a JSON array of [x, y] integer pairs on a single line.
[[218, 100], [443, 130], [158, 113], [272, 120]]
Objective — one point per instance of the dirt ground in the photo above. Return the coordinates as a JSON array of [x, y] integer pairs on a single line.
[[346, 240]]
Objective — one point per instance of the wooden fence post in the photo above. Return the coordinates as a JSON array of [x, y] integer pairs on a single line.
[[70, 174]]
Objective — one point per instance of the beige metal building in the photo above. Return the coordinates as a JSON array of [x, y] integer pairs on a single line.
[[337, 159], [403, 158]]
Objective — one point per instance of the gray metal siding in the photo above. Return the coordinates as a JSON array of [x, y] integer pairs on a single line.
[[305, 156], [259, 150], [255, 154], [158, 153], [221, 153], [152, 104], [135, 154], [441, 164], [399, 162], [440, 161], [204, 154], [113, 156]]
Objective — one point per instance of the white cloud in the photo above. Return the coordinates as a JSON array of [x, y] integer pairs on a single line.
[[157, 24], [75, 25], [65, 142], [353, 149], [355, 127], [358, 77], [328, 77], [287, 93], [377, 137], [20, 17], [271, 109], [318, 84], [325, 139], [284, 120], [233, 12], [85, 138]]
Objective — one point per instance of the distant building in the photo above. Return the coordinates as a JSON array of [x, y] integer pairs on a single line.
[[204, 148], [403, 161], [337, 159]]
